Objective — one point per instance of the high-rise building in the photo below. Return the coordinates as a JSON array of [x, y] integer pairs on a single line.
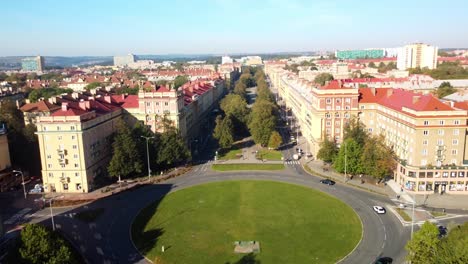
[[33, 64], [417, 55], [124, 60], [360, 54]]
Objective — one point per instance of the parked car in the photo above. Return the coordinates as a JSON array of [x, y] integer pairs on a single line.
[[379, 209], [37, 189], [384, 260], [327, 181]]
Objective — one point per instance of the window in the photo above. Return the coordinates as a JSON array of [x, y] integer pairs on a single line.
[[328, 123], [76, 165], [338, 107], [157, 103], [327, 115], [59, 137], [49, 166], [75, 156], [456, 132], [337, 123], [441, 122], [455, 142], [49, 156], [337, 130], [426, 122], [370, 130], [425, 142], [328, 131], [425, 132], [440, 142], [78, 186], [51, 175], [440, 132], [338, 100], [424, 152], [348, 100], [77, 174], [65, 186], [74, 146], [62, 165], [166, 103], [454, 152], [148, 104], [423, 162], [72, 128], [346, 115], [58, 128], [337, 115], [456, 122], [44, 128], [328, 101], [347, 107], [73, 137], [363, 107]]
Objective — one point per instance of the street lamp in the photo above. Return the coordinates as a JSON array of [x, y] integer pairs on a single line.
[[412, 216], [147, 155], [345, 161], [22, 179], [51, 212]]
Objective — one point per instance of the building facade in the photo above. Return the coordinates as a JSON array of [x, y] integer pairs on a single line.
[[122, 61], [417, 55], [35, 64], [360, 54], [5, 161], [429, 136]]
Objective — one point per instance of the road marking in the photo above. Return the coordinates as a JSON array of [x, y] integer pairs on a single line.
[[17, 216]]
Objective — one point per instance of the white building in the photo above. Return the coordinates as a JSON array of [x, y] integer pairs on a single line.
[[226, 60], [124, 60], [417, 55]]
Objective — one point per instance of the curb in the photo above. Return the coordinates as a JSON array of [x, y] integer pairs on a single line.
[[314, 173]]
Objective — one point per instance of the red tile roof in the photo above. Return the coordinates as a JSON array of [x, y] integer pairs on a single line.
[[41, 106]]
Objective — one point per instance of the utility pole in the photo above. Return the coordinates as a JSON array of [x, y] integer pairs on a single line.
[[147, 156], [22, 180], [345, 161]]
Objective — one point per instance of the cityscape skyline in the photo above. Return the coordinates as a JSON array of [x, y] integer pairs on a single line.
[[91, 29]]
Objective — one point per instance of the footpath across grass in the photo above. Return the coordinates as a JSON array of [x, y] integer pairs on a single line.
[[269, 154], [239, 167], [293, 224]]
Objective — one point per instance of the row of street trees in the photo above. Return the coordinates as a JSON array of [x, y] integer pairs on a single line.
[[360, 152], [166, 149], [239, 121], [426, 246]]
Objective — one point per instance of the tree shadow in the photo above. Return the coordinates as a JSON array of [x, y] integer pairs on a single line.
[[247, 259]]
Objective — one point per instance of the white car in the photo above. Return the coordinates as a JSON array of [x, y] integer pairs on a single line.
[[379, 209]]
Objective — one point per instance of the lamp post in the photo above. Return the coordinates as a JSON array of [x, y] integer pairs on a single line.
[[147, 156], [22, 180], [51, 212], [412, 216], [345, 161]]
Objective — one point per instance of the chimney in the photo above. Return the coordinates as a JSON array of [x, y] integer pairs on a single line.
[[74, 95], [107, 99], [84, 105], [389, 92], [373, 90], [64, 106], [123, 96], [416, 98]]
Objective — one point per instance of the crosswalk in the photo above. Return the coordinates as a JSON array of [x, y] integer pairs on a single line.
[[292, 162], [203, 166]]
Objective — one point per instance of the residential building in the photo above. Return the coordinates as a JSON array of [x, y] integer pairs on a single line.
[[122, 61], [4, 150], [417, 55], [35, 64], [428, 136], [74, 130], [360, 54], [226, 60]]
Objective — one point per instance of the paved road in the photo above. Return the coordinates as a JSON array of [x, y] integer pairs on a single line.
[[108, 239]]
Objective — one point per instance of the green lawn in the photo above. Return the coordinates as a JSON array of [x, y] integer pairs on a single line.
[[247, 166], [230, 154], [293, 224], [403, 214], [269, 154]]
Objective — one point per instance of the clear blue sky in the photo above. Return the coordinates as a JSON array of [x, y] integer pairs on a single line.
[[70, 28]]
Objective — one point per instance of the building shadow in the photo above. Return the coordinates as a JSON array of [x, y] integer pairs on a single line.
[[247, 259]]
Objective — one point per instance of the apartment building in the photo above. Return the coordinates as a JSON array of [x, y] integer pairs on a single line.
[[4, 150], [122, 61], [417, 55], [35, 64], [429, 136], [74, 131]]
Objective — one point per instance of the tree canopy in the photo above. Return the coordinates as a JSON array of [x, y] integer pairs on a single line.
[[263, 121], [172, 150], [224, 131], [422, 248], [445, 88], [323, 78], [46, 93], [328, 150], [180, 80], [275, 140]]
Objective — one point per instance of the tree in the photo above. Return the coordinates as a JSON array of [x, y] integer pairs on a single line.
[[422, 248], [172, 150], [445, 89], [93, 85], [323, 78], [328, 150], [224, 131], [275, 140], [39, 245], [235, 106], [453, 249], [263, 121], [125, 157], [371, 65], [180, 80], [378, 160], [356, 130], [349, 155], [240, 89]]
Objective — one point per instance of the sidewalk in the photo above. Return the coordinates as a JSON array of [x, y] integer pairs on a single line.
[[317, 169]]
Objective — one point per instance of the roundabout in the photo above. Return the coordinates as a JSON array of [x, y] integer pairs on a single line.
[[292, 223]]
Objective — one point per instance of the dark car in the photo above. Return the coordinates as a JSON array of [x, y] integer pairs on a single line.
[[384, 260], [327, 181]]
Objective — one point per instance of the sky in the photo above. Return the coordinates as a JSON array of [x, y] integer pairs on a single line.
[[106, 28]]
